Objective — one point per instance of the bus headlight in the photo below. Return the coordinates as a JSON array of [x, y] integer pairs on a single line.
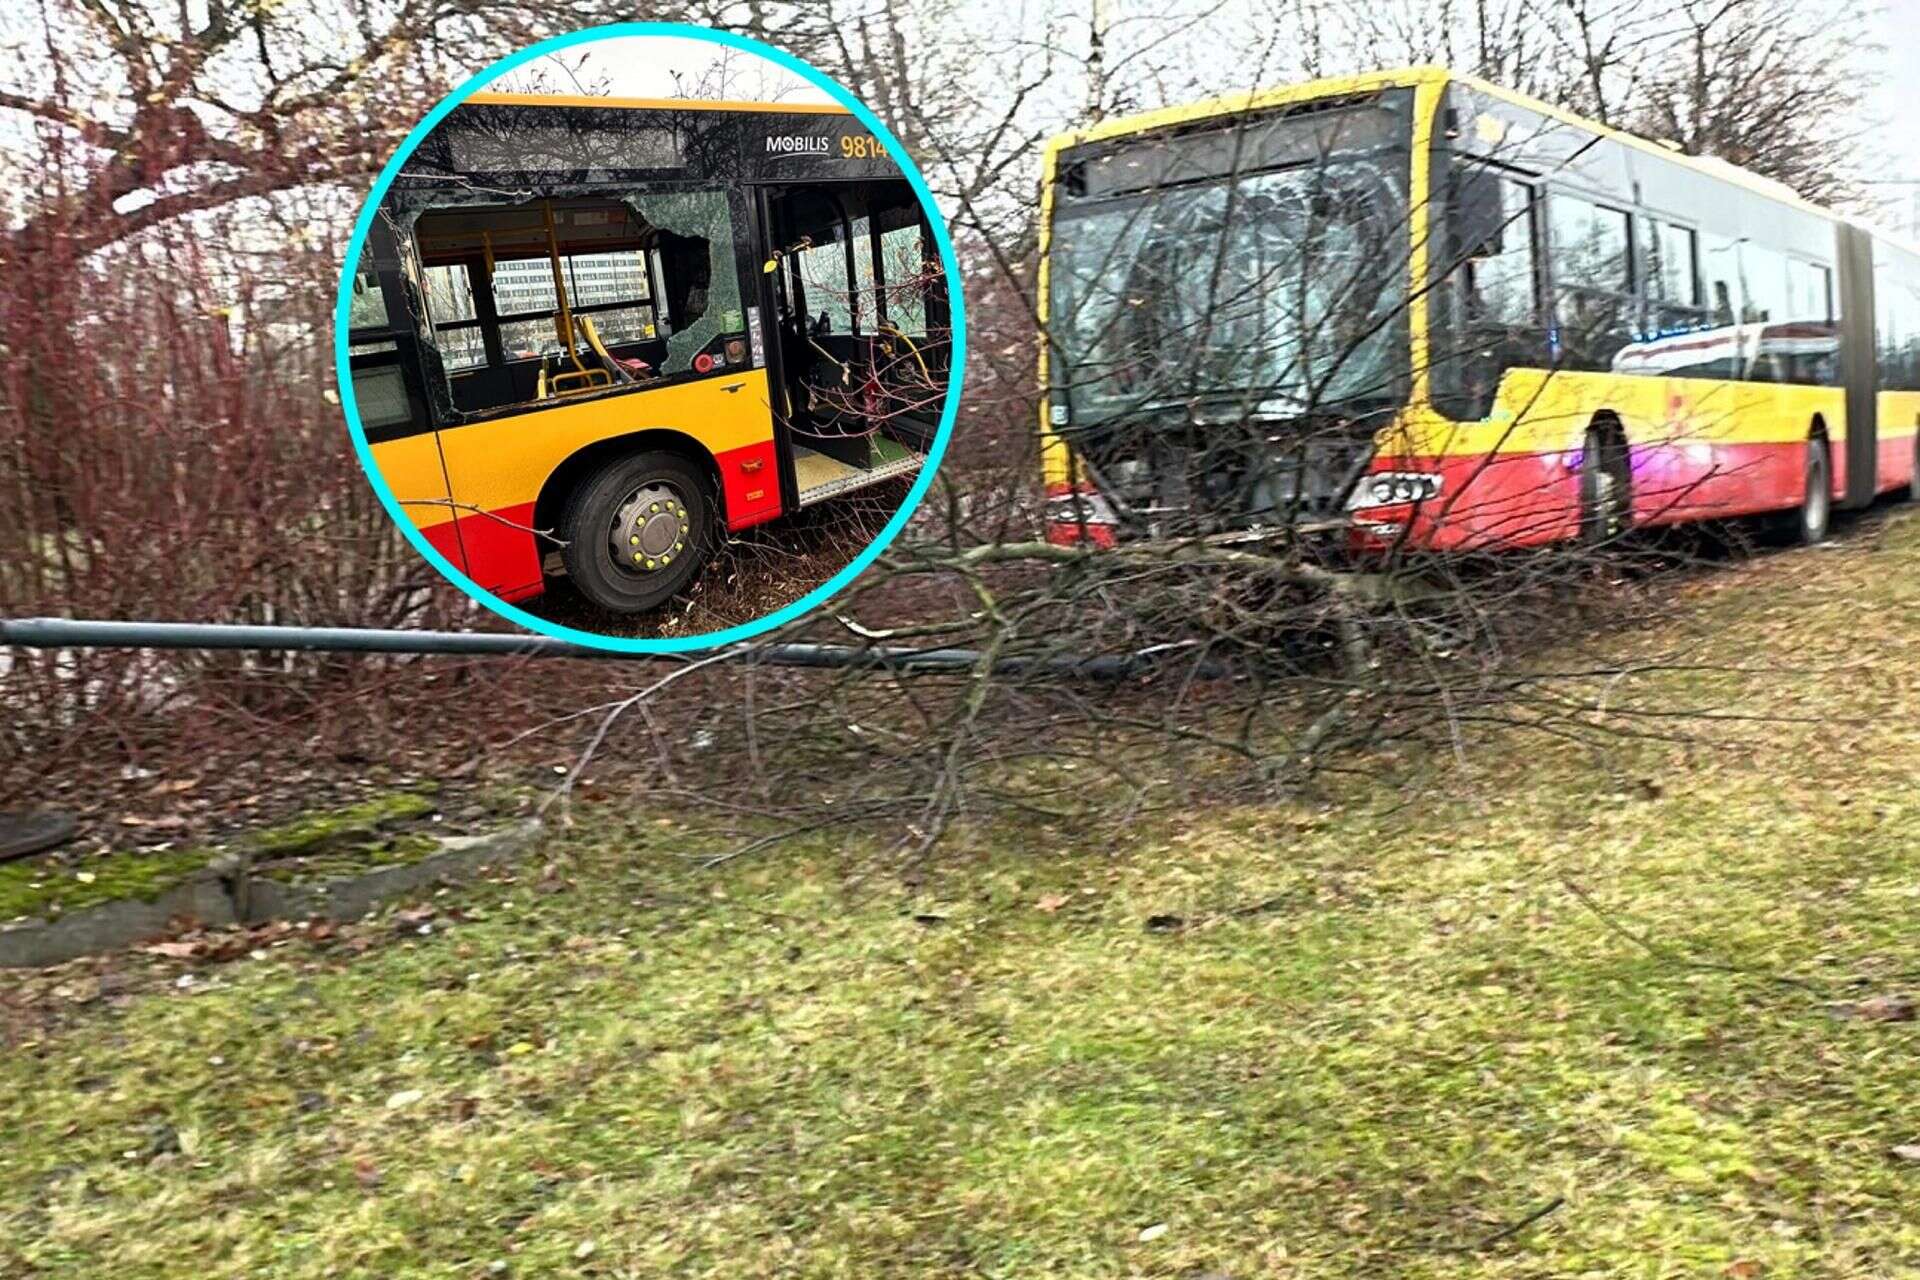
[[1394, 488]]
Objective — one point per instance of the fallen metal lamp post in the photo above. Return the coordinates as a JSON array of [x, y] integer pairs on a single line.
[[24, 834], [70, 633]]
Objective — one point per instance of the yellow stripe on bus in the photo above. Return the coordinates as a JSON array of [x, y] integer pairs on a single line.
[[411, 468], [503, 462], [1538, 411]]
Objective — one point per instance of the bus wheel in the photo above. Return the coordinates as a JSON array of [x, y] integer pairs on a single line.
[[637, 531], [1606, 496], [1816, 502]]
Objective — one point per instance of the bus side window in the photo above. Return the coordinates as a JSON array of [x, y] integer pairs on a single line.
[[1722, 261], [373, 356], [1673, 277], [699, 283], [1764, 273], [904, 262], [1497, 274], [1491, 290], [1594, 299], [1897, 285]]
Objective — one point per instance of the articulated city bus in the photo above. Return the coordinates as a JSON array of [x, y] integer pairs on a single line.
[[590, 334], [1411, 310]]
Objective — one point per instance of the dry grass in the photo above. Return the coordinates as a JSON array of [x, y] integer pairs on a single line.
[[1372, 1033]]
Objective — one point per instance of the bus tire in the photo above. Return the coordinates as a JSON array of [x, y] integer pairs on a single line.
[[637, 531], [1606, 488], [1814, 517]]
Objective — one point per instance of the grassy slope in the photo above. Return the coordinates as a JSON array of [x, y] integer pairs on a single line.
[[1376, 1039]]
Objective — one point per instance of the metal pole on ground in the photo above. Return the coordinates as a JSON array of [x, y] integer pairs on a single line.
[[73, 633]]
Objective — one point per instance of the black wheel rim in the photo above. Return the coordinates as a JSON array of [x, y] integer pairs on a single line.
[[651, 530], [1600, 488]]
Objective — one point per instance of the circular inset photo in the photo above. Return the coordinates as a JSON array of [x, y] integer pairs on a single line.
[[649, 337]]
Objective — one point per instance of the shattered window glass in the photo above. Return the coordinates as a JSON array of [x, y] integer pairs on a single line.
[[1277, 287], [697, 269]]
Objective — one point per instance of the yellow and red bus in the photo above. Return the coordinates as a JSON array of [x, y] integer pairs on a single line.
[[1412, 310], [589, 336]]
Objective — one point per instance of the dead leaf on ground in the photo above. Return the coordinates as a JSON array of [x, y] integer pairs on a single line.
[[1891, 1008], [1052, 902]]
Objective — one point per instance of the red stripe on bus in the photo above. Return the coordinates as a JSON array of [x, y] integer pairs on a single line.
[[502, 554], [1506, 500]]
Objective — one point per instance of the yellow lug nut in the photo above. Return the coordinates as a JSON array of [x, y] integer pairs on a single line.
[[634, 541], [649, 564], [654, 507], [636, 557]]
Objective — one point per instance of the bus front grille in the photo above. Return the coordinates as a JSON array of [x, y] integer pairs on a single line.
[[1192, 480]]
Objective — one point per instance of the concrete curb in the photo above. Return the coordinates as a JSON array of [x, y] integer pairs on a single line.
[[232, 895]]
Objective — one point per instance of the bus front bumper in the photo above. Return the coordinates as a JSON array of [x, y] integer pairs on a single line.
[[1483, 502]]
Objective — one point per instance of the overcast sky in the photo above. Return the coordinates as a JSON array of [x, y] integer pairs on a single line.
[[1898, 102], [667, 67]]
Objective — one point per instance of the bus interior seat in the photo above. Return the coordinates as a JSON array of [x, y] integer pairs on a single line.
[[598, 353]]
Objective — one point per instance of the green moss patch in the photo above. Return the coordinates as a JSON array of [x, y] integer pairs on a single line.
[[38, 887], [323, 845], [344, 859], [316, 834]]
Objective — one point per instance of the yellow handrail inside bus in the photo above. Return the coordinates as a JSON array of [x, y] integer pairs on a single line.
[[592, 378], [846, 373], [911, 348], [593, 339]]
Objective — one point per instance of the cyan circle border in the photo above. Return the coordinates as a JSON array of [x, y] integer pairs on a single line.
[[652, 644]]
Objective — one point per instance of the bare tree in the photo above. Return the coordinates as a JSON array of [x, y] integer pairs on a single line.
[[1771, 85], [159, 110]]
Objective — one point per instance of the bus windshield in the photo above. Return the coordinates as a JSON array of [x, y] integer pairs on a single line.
[[1270, 294]]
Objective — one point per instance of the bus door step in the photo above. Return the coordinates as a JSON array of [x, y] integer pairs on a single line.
[[916, 430], [819, 477]]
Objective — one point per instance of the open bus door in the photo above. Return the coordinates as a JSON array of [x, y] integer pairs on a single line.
[[384, 354], [856, 388]]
